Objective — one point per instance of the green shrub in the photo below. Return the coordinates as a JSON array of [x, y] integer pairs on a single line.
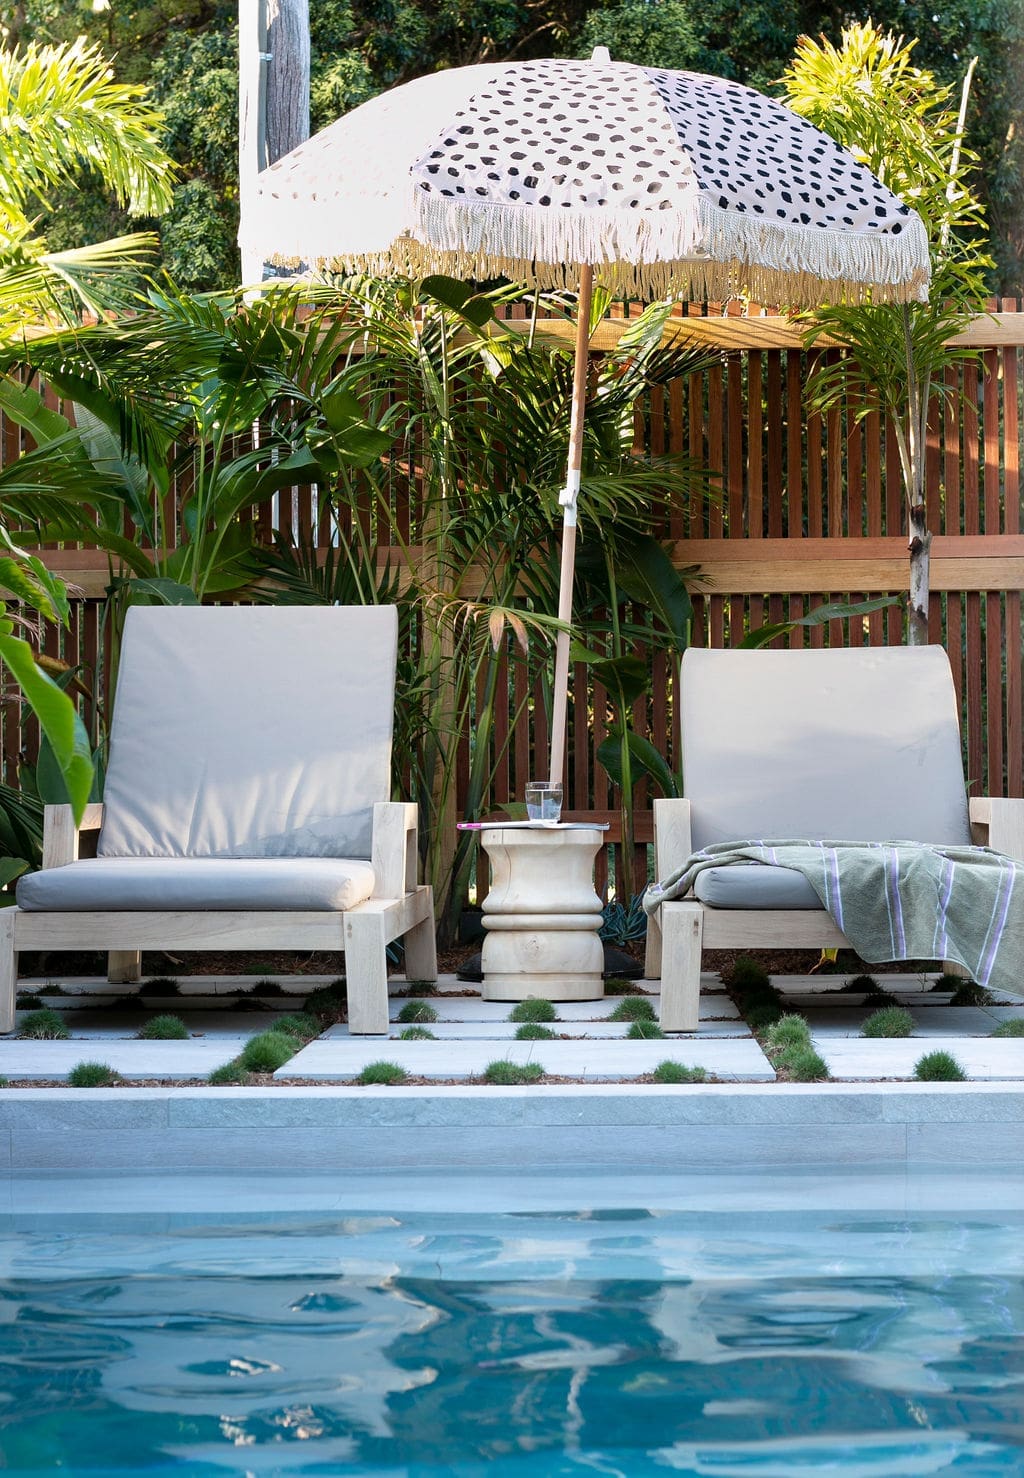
[[422, 988], [327, 1002], [970, 993], [382, 1072], [304, 1026], [801, 1064], [647, 1030], [532, 1031], [5, 1082], [945, 982], [879, 998], [1014, 1028], [939, 1067], [228, 1073], [159, 985], [45, 1025], [746, 974], [25, 1000], [417, 1034], [633, 1008], [674, 1072], [891, 1021], [265, 987], [534, 1009], [788, 1031], [417, 1012], [267, 1051], [92, 1075], [507, 1074], [163, 1029]]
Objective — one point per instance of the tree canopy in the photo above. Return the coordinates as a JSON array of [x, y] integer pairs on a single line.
[[186, 51]]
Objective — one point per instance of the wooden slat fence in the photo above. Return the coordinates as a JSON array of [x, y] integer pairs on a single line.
[[810, 510]]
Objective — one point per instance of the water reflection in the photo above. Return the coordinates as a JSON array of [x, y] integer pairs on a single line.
[[398, 1347]]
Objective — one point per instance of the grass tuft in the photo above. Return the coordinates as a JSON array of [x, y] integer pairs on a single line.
[[1014, 1028], [970, 993], [417, 1034], [266, 987], [300, 1024], [44, 1025], [762, 1014], [633, 1008], [645, 1030], [860, 985], [507, 1074], [229, 1073], [788, 1031], [417, 1012], [939, 1067], [674, 1072], [801, 1064], [166, 1028], [382, 1072], [5, 1082], [891, 1021], [616, 987], [532, 1031], [92, 1075], [746, 974], [328, 1002], [159, 985], [268, 1051], [535, 1009]]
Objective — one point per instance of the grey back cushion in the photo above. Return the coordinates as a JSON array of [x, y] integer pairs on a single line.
[[250, 731], [849, 744]]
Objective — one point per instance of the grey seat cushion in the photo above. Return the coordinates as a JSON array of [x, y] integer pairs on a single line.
[[753, 885], [157, 884]]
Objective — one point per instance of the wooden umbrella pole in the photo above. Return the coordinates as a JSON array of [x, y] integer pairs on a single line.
[[560, 697]]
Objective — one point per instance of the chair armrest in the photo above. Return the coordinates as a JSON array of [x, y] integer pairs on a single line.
[[998, 823], [671, 835], [60, 834], [394, 848]]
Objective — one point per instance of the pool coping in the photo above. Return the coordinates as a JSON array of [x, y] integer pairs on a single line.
[[571, 1127]]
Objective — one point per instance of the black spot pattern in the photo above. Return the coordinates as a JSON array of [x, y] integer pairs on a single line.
[[581, 135]]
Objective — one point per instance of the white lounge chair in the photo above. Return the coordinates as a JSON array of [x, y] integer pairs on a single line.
[[245, 807], [852, 744]]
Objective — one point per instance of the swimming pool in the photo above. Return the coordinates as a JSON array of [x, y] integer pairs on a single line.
[[686, 1335]]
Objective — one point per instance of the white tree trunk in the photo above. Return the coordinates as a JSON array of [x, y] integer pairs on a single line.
[[920, 547]]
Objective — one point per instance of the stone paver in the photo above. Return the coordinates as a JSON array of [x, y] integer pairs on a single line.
[[20, 1060], [472, 1008], [929, 1021], [341, 1060], [114, 1025], [862, 1059], [497, 1031]]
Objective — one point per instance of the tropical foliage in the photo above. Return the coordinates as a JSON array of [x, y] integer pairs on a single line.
[[892, 114]]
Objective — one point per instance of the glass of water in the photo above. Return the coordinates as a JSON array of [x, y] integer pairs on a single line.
[[544, 800]]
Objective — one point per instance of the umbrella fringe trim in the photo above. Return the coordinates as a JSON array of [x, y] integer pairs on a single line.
[[714, 253]]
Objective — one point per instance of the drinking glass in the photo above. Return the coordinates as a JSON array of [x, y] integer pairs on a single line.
[[544, 800]]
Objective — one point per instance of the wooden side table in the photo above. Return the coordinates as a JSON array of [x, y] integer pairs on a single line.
[[542, 914]]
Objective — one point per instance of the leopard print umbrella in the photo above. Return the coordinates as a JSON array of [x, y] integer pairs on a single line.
[[667, 183]]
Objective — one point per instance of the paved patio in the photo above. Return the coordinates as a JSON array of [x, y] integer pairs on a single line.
[[471, 1033]]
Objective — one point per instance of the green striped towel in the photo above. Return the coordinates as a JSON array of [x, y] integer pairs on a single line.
[[897, 900]]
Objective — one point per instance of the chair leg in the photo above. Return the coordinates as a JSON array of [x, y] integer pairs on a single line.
[[124, 966], [953, 967], [421, 946], [8, 969], [682, 929], [652, 951], [366, 974]]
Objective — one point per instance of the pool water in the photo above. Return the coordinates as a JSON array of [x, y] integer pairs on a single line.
[[618, 1341]]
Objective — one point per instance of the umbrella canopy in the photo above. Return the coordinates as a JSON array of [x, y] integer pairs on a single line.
[[547, 172]]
